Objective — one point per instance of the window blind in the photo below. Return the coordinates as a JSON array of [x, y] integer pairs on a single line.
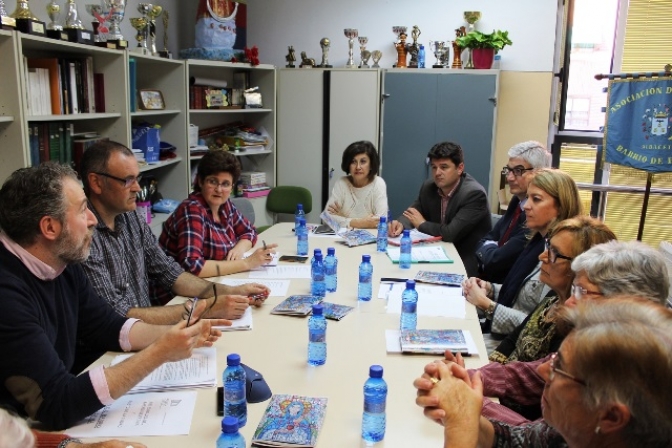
[[648, 36]]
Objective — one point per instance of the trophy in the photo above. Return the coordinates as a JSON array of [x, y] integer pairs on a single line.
[[414, 48], [153, 14], [141, 25], [400, 31], [376, 55], [54, 28], [6, 22], [73, 25], [457, 50], [362, 49], [440, 51], [26, 22], [471, 18], [325, 43], [351, 34], [100, 15], [165, 53], [116, 8]]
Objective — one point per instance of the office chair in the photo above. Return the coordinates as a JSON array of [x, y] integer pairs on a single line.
[[283, 199], [244, 206]]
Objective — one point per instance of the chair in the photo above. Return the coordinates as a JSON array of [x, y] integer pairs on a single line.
[[244, 206], [503, 200], [283, 200]]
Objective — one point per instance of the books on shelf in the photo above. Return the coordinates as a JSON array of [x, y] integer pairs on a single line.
[[439, 278], [417, 237], [432, 341], [299, 305], [291, 421]]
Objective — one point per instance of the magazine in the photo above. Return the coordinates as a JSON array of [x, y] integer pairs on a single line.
[[296, 305], [439, 278], [357, 237], [291, 421], [432, 341], [334, 311]]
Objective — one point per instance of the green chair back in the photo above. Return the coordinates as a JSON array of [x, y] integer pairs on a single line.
[[283, 200]]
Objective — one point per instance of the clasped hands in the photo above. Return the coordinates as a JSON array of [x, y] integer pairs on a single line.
[[477, 292]]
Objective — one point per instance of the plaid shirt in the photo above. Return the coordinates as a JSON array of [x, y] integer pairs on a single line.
[[191, 236], [124, 263]]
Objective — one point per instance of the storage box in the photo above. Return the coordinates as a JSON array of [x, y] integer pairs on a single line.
[[147, 138], [253, 177], [256, 193], [193, 135]]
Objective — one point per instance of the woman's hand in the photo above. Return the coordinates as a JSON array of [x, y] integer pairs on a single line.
[[334, 209], [476, 292], [261, 256]]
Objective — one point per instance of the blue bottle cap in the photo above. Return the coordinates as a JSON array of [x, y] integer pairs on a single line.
[[318, 256], [366, 258], [298, 207], [406, 233], [383, 219], [410, 284], [317, 309], [331, 251], [302, 221], [317, 251], [233, 359], [230, 424], [376, 371]]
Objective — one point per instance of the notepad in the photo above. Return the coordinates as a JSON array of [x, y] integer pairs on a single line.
[[421, 254], [432, 341], [439, 278]]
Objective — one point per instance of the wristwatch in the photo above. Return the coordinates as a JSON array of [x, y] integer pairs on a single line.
[[490, 311]]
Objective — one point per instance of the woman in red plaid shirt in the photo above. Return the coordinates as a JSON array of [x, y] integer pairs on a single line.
[[206, 234]]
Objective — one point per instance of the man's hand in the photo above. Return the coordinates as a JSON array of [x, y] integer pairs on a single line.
[[250, 289], [414, 216], [395, 228], [228, 307]]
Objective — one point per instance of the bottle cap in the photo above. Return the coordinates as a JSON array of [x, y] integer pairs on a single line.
[[376, 371], [298, 207], [233, 359], [422, 47], [383, 219], [230, 424], [331, 251], [317, 309], [406, 233], [318, 256], [317, 251], [410, 284], [366, 258], [302, 221]]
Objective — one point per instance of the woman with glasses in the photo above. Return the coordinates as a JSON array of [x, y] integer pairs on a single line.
[[359, 199], [552, 196], [605, 387], [206, 234]]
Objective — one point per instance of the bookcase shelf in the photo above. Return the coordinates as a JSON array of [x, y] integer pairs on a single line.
[[157, 165], [6, 119], [151, 113], [72, 117], [229, 111]]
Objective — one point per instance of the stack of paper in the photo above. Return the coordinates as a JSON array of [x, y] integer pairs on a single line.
[[421, 254], [200, 370], [242, 324], [417, 237]]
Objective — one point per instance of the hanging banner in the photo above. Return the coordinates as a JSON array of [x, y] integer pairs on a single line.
[[638, 131]]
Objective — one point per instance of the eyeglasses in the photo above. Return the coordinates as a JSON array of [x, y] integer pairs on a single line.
[[214, 183], [579, 292], [553, 254], [555, 370], [516, 170], [127, 181]]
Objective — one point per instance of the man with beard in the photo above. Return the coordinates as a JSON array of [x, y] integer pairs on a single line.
[[51, 312]]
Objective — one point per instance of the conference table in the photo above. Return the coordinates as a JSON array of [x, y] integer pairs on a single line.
[[277, 348]]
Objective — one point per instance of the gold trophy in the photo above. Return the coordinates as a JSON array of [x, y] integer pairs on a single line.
[[165, 53], [471, 17], [400, 45], [141, 25], [26, 22], [152, 15], [54, 28], [6, 22]]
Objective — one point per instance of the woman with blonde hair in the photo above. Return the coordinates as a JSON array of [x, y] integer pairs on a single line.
[[552, 196]]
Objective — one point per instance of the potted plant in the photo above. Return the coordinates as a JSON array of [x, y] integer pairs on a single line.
[[484, 46]]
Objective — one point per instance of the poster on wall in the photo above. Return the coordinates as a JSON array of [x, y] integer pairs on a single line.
[[638, 131]]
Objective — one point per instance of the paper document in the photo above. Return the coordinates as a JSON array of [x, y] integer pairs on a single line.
[[278, 287], [417, 237], [242, 324], [421, 254], [149, 414], [283, 271], [200, 370], [393, 344], [433, 300]]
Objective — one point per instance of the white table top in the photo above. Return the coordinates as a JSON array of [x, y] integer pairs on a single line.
[[277, 348]]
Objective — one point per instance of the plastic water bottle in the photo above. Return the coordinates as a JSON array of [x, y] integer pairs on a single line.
[[375, 395], [331, 270], [298, 215], [364, 288], [318, 286], [409, 307], [235, 404], [405, 252], [497, 62], [381, 238], [230, 437], [421, 56], [317, 337], [302, 238]]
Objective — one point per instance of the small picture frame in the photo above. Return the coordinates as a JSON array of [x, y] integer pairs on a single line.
[[151, 99]]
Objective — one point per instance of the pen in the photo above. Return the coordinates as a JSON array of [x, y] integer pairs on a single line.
[[392, 279], [191, 311], [264, 243]]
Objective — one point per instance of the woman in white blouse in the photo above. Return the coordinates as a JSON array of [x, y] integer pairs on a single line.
[[359, 199]]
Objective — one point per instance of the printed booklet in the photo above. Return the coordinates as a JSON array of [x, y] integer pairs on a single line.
[[291, 421]]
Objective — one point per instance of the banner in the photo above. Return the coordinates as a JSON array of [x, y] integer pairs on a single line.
[[638, 131]]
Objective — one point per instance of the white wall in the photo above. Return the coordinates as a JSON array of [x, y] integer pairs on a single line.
[[275, 24]]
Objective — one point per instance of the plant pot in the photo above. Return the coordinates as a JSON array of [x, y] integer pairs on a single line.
[[483, 57]]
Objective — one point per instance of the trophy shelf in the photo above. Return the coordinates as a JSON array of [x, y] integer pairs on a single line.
[[47, 45], [160, 164], [148, 113], [234, 65], [73, 117]]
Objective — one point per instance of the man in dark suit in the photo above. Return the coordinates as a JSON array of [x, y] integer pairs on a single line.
[[498, 250], [452, 205]]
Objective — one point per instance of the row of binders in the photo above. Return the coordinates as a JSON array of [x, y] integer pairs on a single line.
[[61, 86], [57, 141]]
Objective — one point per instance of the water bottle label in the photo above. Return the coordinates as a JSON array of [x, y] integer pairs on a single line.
[[317, 336], [234, 394], [409, 307], [364, 278], [374, 407]]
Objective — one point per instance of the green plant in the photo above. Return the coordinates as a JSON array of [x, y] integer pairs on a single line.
[[475, 39]]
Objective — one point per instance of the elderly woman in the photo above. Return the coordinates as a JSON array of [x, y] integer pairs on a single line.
[[206, 234], [594, 396], [359, 199], [603, 272], [552, 196]]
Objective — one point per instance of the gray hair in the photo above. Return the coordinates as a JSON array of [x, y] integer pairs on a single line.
[[14, 432], [28, 195], [621, 349], [631, 268], [533, 153]]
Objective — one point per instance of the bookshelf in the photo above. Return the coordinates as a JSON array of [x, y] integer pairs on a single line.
[[263, 76]]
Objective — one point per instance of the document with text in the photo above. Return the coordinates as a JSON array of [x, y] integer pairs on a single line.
[[278, 287], [433, 300], [282, 272]]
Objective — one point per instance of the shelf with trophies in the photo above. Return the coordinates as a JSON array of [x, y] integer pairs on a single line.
[[233, 105]]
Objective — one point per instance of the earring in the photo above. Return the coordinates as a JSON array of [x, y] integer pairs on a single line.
[[597, 430]]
